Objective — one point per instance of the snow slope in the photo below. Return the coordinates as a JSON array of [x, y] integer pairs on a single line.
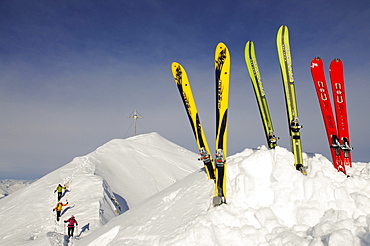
[[125, 171], [269, 202]]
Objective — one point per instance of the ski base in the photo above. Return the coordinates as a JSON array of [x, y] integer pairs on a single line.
[[217, 201], [301, 168]]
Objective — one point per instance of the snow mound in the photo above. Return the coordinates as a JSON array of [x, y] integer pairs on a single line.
[[269, 203]]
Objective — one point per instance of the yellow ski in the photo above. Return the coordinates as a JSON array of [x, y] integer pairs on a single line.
[[186, 94], [222, 70]]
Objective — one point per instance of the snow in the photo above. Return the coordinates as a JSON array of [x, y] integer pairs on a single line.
[[146, 190], [8, 186]]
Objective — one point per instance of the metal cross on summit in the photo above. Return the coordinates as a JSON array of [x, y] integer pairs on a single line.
[[135, 115]]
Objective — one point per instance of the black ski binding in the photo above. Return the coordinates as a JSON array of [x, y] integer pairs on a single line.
[[294, 125], [346, 148], [272, 138], [335, 144]]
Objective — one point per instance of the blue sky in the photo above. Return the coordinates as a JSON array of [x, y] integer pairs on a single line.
[[71, 72]]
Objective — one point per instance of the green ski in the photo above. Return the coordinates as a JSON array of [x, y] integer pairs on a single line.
[[286, 67], [254, 73]]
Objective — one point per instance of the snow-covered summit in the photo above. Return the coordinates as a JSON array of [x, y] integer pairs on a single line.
[[163, 197], [102, 184]]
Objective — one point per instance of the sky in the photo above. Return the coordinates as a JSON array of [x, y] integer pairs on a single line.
[[72, 72]]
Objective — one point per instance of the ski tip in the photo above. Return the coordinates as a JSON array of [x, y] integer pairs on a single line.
[[282, 37], [249, 46], [221, 48], [336, 62], [175, 64], [316, 62], [221, 45], [283, 27]]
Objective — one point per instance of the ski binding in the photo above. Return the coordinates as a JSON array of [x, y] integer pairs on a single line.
[[345, 148], [295, 126], [220, 158], [204, 156]]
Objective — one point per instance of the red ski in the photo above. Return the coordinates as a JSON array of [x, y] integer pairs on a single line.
[[339, 97], [318, 76]]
